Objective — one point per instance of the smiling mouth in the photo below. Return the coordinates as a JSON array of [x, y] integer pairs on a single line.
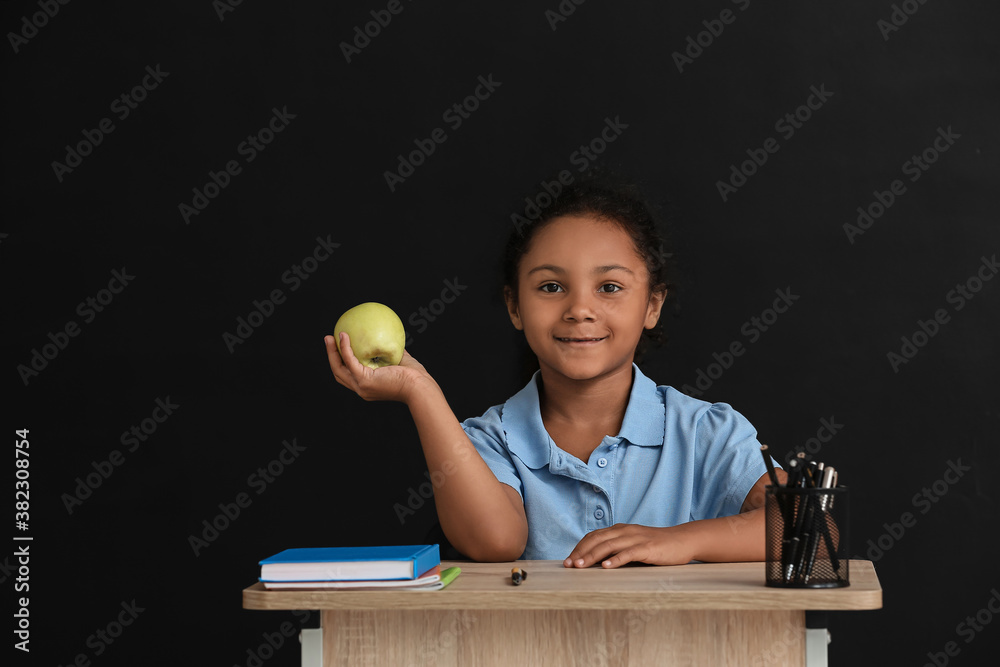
[[580, 340]]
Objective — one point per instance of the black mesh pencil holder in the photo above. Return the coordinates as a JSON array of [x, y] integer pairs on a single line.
[[807, 537]]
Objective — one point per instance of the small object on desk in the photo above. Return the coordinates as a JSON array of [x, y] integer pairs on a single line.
[[806, 536], [449, 575], [517, 575]]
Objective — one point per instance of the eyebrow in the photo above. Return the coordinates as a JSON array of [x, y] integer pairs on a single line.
[[598, 270]]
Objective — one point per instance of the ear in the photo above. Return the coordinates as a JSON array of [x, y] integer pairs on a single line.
[[656, 298], [512, 310]]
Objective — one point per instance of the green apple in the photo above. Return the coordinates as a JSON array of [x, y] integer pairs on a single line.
[[376, 332]]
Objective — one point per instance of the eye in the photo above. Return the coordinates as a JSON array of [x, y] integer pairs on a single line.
[[609, 288], [551, 288]]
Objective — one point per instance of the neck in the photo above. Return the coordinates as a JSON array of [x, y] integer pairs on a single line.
[[597, 401]]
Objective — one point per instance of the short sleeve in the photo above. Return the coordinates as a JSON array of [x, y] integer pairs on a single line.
[[487, 435], [729, 462]]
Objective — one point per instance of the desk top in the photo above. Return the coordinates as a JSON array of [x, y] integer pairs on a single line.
[[549, 585]]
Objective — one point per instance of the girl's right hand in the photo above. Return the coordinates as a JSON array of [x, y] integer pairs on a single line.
[[388, 383]]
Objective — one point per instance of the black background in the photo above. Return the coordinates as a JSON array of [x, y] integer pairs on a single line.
[[323, 176]]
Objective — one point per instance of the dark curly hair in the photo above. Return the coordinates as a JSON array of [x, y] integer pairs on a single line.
[[606, 196]]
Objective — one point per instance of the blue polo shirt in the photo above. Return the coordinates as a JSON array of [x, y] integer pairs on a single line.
[[676, 459]]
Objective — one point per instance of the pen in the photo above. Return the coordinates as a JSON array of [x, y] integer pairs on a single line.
[[820, 524], [806, 530], [812, 547], [517, 575], [769, 464], [790, 567], [803, 530], [831, 483], [794, 473], [789, 542]]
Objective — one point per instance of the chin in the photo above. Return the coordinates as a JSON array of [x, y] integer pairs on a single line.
[[582, 371]]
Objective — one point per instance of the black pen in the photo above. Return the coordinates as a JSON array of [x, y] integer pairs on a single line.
[[794, 473], [822, 527], [769, 464], [802, 530], [788, 546], [828, 539], [790, 567]]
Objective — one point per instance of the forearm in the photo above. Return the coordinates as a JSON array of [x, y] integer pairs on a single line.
[[731, 539], [475, 511]]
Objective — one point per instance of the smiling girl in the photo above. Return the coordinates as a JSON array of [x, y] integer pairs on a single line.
[[591, 462]]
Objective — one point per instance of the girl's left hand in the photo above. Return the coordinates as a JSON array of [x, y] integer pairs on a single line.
[[626, 543]]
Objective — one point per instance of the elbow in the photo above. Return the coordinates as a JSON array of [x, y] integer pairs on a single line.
[[495, 547], [501, 553]]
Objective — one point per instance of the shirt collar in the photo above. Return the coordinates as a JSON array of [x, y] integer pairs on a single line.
[[527, 438]]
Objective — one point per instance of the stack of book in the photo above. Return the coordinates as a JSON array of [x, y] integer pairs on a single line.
[[375, 568]]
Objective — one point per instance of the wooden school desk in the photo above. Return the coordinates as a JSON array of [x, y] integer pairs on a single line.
[[698, 614]]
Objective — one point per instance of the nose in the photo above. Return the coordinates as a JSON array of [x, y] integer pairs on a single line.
[[580, 308]]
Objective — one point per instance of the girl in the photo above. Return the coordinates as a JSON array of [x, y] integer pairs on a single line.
[[591, 462]]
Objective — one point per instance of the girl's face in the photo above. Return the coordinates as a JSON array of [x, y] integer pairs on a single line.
[[583, 298]]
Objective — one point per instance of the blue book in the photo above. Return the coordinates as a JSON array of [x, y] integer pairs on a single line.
[[350, 563]]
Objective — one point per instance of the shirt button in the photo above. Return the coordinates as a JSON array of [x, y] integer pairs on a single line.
[[601, 462], [597, 489], [599, 513]]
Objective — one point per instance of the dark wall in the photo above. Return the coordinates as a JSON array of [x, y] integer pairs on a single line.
[[898, 417]]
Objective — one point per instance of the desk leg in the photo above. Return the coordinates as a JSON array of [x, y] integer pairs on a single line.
[[312, 647], [618, 638], [817, 639]]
